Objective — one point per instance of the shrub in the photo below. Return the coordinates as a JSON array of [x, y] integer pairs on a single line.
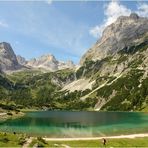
[[10, 114], [40, 139], [22, 140]]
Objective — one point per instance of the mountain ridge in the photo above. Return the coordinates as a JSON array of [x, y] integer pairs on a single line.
[[124, 32], [49, 62], [117, 81], [9, 62]]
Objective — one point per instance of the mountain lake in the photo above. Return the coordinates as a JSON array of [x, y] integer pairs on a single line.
[[77, 124]]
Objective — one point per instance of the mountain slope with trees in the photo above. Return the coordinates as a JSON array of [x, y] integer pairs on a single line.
[[117, 80]]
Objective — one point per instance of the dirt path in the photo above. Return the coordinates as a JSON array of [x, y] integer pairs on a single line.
[[98, 138], [27, 143], [66, 146]]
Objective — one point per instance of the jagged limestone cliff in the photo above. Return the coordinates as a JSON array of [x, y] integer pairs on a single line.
[[8, 60], [50, 63], [116, 67], [113, 75], [125, 32]]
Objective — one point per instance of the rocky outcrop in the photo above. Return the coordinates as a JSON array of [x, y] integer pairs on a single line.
[[125, 32], [78, 85], [8, 60], [21, 60], [46, 62], [64, 65], [49, 62], [0, 70]]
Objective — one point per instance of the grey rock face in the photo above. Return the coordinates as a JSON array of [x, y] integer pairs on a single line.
[[8, 60], [50, 63], [47, 62], [125, 32], [21, 60], [65, 65], [134, 16], [0, 69]]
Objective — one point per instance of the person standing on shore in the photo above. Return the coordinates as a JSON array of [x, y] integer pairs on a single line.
[[104, 141]]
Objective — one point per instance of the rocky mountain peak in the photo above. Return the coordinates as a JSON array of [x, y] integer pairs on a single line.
[[21, 60], [124, 32], [8, 60], [69, 62], [4, 45], [49, 62], [6, 50], [48, 58], [134, 16]]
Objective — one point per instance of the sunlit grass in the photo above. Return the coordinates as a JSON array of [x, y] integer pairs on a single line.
[[17, 140], [137, 142], [11, 140]]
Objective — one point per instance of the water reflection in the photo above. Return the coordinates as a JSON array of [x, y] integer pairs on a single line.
[[73, 124]]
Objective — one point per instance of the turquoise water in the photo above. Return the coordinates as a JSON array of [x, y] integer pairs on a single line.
[[77, 124]]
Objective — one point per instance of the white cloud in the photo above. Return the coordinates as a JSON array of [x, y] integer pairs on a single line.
[[112, 11], [3, 24], [142, 9], [97, 30], [49, 2]]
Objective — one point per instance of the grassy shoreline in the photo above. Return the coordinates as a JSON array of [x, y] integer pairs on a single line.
[[10, 115], [137, 142], [19, 140]]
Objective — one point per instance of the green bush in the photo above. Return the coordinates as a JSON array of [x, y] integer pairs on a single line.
[[10, 114], [22, 140], [4, 139], [41, 140]]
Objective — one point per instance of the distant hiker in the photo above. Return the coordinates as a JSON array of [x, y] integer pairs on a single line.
[[104, 141]]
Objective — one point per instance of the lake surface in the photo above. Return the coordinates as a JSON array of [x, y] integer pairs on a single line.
[[77, 124]]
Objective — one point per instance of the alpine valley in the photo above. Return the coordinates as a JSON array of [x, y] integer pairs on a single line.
[[112, 76]]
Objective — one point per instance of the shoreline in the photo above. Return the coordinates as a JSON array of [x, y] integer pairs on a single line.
[[13, 115], [131, 136]]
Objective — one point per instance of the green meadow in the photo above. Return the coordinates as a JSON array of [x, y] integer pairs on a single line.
[[18, 140]]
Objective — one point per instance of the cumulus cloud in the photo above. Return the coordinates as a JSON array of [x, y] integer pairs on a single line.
[[112, 11], [3, 24], [97, 30], [142, 9]]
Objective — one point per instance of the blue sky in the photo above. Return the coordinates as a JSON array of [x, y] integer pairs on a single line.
[[65, 29]]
